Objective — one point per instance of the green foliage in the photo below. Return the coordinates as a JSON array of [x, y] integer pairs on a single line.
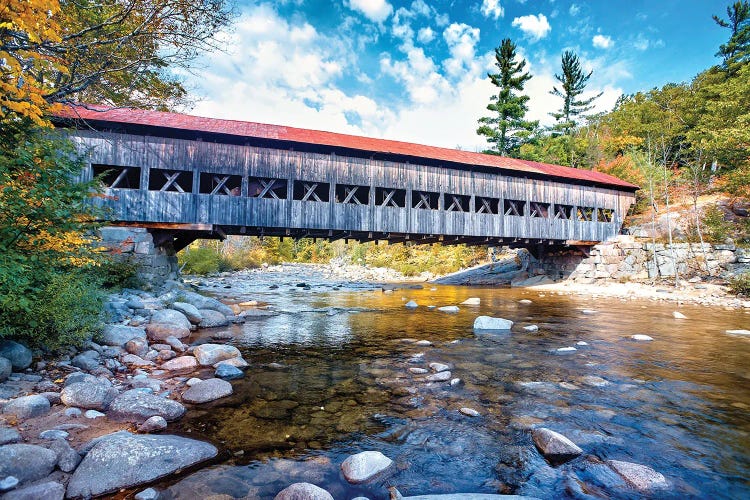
[[716, 228], [506, 129], [737, 48], [572, 84], [118, 273], [740, 284], [202, 260]]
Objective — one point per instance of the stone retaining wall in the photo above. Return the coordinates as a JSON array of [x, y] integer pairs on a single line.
[[155, 264], [629, 258]]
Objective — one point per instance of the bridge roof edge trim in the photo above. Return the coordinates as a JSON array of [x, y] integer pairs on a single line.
[[185, 122]]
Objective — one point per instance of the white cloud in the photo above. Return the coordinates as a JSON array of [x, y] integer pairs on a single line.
[[421, 8], [534, 27], [492, 8], [602, 41], [462, 40], [574, 10], [375, 10], [425, 35], [418, 73]]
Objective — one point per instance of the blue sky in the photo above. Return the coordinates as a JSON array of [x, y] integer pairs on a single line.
[[416, 70]]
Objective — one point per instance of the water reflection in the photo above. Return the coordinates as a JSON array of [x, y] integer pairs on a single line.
[[330, 376]]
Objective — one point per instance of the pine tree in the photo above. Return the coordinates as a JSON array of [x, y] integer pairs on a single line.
[[737, 48], [572, 80], [506, 129]]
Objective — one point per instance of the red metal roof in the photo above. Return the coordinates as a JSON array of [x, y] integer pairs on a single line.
[[181, 121]]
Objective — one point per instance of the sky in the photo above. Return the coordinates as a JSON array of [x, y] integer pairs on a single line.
[[416, 70]]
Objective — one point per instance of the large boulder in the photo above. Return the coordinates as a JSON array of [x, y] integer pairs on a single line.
[[161, 331], [207, 390], [180, 364], [6, 368], [138, 405], [189, 310], [48, 490], [27, 406], [92, 395], [18, 354], [170, 317], [87, 360], [27, 462], [119, 335], [490, 323], [554, 446], [210, 354], [127, 460], [365, 466], [203, 302], [67, 458], [212, 319], [303, 491], [640, 477]]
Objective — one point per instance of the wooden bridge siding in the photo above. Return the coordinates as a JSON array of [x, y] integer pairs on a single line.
[[175, 154]]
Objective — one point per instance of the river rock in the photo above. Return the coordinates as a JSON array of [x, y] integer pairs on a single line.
[[170, 317], [638, 476], [228, 372], [142, 381], [137, 346], [27, 406], [48, 490], [525, 301], [127, 460], [93, 414], [18, 354], [189, 310], [67, 458], [490, 323], [678, 315], [156, 423], [364, 466], [449, 309], [594, 381], [160, 331], [411, 305], [207, 390], [439, 367], [418, 371], [77, 377], [531, 328], [203, 302], [438, 377], [132, 359], [119, 335], [138, 405], [148, 494], [88, 360], [180, 363], [176, 344], [93, 395], [236, 362], [554, 446], [53, 434], [212, 319], [210, 354], [6, 368], [303, 491], [469, 412], [641, 337], [8, 483], [9, 435], [27, 462], [472, 301]]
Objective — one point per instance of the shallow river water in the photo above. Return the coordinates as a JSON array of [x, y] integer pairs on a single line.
[[329, 376]]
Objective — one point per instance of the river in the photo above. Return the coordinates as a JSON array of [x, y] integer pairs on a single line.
[[329, 376]]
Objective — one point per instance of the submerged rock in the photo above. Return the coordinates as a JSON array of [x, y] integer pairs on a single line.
[[365, 466], [641, 337], [554, 446], [411, 305], [439, 377], [469, 412], [228, 372], [638, 476], [449, 309], [678, 315], [303, 491], [126, 460], [490, 323], [472, 301]]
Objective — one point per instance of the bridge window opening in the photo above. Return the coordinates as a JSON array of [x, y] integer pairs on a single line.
[[605, 214], [425, 200], [221, 184], [487, 205], [311, 191], [457, 202], [118, 177], [540, 210], [270, 189], [564, 212], [356, 195], [585, 214], [387, 197], [514, 207], [177, 181]]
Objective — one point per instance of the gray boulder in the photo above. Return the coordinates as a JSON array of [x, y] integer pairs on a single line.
[[18, 354], [48, 490], [212, 319], [180, 364], [203, 302], [161, 331], [170, 317], [303, 491], [88, 360], [138, 405], [119, 335], [207, 390], [27, 462], [365, 466], [92, 395], [127, 460], [210, 354], [76, 377], [27, 406], [228, 372], [490, 323], [189, 310], [638, 476], [67, 458], [554, 446], [9, 435], [153, 424], [6, 368]]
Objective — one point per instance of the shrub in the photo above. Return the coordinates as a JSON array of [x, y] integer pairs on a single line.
[[716, 229], [740, 284], [120, 274], [202, 260]]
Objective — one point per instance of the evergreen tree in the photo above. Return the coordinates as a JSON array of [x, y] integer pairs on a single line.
[[572, 80], [737, 48], [506, 129]]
